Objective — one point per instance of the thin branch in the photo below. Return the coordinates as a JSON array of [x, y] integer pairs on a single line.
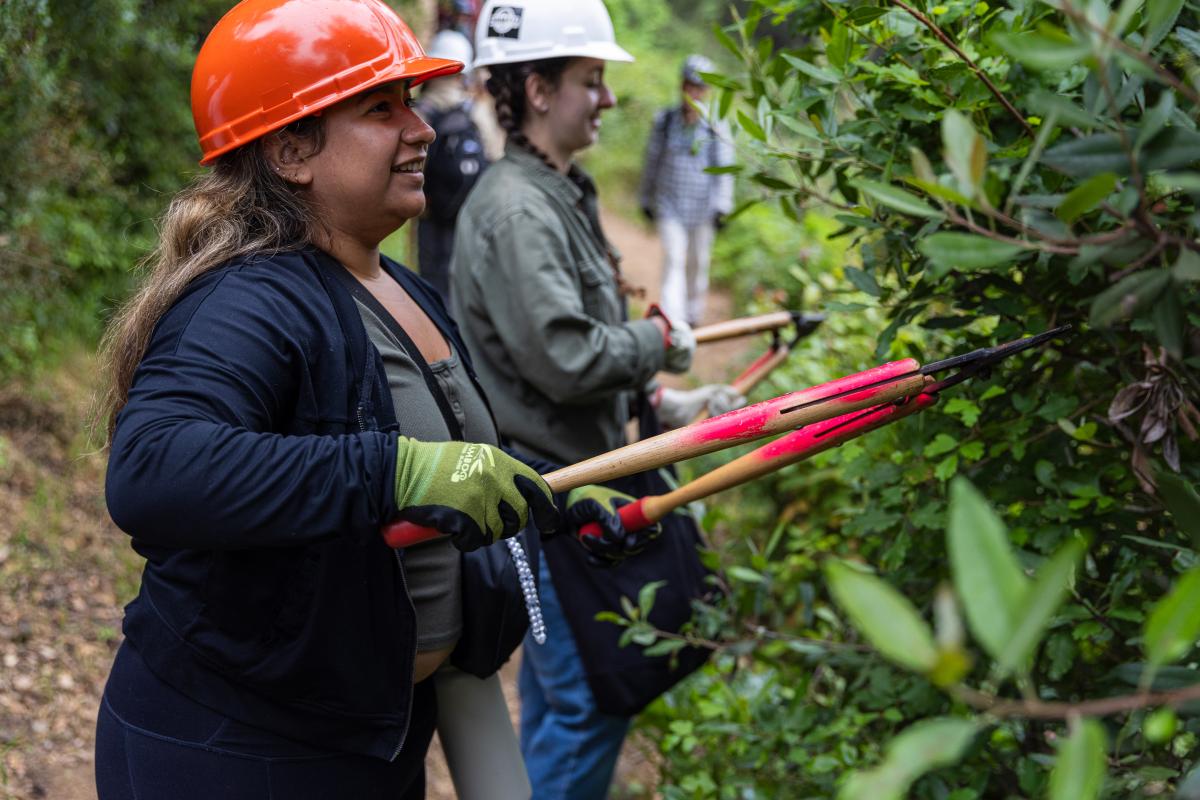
[[1039, 709], [979, 73]]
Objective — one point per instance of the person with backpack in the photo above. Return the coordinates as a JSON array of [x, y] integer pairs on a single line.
[[455, 160], [688, 204], [538, 289], [277, 392]]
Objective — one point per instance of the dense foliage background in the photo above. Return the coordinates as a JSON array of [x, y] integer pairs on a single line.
[[941, 177]]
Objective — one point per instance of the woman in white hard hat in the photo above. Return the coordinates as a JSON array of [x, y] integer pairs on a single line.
[[537, 289]]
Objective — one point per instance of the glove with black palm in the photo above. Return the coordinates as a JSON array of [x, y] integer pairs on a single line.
[[592, 512], [473, 493]]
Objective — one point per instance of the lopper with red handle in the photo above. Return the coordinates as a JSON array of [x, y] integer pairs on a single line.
[[807, 442], [776, 354], [748, 326], [880, 386]]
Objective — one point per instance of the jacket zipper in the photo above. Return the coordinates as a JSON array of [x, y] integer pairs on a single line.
[[362, 426], [408, 716]]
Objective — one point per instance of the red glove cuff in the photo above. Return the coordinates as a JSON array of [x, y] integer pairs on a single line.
[[655, 310]]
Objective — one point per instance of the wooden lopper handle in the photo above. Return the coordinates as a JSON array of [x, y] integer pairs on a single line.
[[883, 384]]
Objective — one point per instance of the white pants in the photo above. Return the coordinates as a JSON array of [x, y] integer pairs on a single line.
[[686, 252], [477, 736]]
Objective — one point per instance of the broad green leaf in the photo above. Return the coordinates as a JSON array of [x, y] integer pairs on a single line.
[[1079, 770], [838, 48], [863, 281], [727, 41], [1091, 155], [1187, 266], [1160, 18], [1125, 14], [1182, 500], [965, 151], [894, 197], [1173, 148], [751, 127], [1173, 624], [646, 596], [1189, 787], [1189, 39], [884, 616], [1129, 296], [921, 166], [944, 192], [818, 74], [986, 574], [1047, 103], [1050, 586], [745, 574], [967, 251], [1154, 120], [1042, 49], [1086, 197], [1167, 316], [864, 15], [923, 746]]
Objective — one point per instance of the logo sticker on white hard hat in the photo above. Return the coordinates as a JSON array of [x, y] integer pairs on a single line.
[[505, 22]]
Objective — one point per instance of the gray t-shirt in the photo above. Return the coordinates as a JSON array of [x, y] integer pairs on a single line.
[[432, 569]]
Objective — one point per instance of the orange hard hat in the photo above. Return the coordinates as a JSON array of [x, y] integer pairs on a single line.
[[270, 62]]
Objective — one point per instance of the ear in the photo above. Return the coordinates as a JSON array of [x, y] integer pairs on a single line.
[[286, 158], [538, 93]]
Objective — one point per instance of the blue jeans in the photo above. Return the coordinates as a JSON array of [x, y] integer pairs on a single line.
[[570, 748]]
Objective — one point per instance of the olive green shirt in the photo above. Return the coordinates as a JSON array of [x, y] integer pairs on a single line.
[[534, 291]]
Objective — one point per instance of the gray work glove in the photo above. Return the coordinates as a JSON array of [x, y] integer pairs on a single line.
[[681, 349], [678, 407], [680, 342]]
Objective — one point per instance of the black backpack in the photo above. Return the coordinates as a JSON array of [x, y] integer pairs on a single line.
[[455, 161]]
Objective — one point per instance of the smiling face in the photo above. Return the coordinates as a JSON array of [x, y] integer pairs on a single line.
[[574, 105], [366, 180]]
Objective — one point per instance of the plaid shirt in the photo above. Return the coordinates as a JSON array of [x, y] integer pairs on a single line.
[[674, 183]]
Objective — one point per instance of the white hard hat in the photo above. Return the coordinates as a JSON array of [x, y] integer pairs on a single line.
[[452, 45], [512, 31]]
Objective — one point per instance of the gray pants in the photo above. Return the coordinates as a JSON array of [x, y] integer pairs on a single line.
[[477, 737], [686, 251]]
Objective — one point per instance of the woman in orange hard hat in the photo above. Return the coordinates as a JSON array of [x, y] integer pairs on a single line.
[[279, 391]]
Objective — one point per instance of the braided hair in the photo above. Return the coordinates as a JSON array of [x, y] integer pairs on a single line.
[[506, 84]]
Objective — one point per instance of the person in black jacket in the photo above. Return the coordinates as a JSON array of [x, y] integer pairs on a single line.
[[279, 392]]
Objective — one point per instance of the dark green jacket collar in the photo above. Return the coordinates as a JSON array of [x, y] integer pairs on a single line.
[[571, 188]]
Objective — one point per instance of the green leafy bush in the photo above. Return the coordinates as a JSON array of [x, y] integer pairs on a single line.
[[992, 171]]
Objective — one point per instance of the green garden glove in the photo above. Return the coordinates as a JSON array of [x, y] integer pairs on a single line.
[[473, 493], [614, 544]]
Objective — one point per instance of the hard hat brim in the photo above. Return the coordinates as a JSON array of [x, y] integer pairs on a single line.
[[415, 70], [606, 51]]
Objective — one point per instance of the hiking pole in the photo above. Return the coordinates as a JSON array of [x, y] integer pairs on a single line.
[[747, 326], [807, 442], [875, 386]]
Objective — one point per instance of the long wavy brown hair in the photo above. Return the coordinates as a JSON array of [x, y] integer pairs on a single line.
[[241, 206]]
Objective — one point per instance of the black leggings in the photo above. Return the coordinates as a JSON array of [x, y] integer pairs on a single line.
[[153, 742]]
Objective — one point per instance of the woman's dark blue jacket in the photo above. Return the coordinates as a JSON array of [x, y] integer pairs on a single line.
[[253, 466]]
